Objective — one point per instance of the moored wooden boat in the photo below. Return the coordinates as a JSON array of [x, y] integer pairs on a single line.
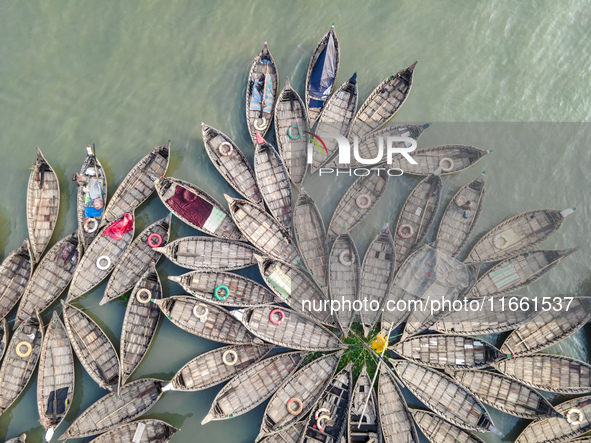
[[357, 202], [91, 197], [4, 333], [253, 386], [55, 383], [457, 224], [101, 257], [383, 103], [20, 439], [547, 328], [549, 372], [92, 347], [363, 417], [291, 123], [196, 208], [137, 258], [377, 272], [290, 434], [15, 273], [273, 181], [505, 394], [205, 253], [217, 366], [287, 328], [438, 430], [445, 396], [262, 230], [114, 409], [335, 118], [231, 163], [224, 288], [329, 421], [50, 279], [322, 73], [261, 93], [204, 320], [344, 273], [517, 235], [417, 216], [395, 418], [310, 235], [140, 322], [517, 272], [138, 184], [20, 360], [140, 431], [446, 351], [294, 288], [43, 203], [296, 396]]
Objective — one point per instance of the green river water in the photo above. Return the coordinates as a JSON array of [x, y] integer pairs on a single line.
[[130, 75]]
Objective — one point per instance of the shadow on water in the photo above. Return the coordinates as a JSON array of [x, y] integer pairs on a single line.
[[4, 231]]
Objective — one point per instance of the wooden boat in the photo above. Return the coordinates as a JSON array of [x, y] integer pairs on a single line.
[[294, 288], [101, 257], [517, 235], [448, 351], [363, 417], [205, 253], [114, 409], [395, 418], [261, 93], [262, 230], [204, 320], [302, 388], [142, 431], [557, 428], [55, 383], [552, 373], [329, 421], [43, 203], [505, 394], [445, 396], [417, 216], [344, 273], [50, 279], [136, 260], [457, 224], [517, 272], [140, 322], [489, 321], [335, 118], [361, 197], [21, 358], [138, 184], [383, 103], [547, 328], [224, 288], [92, 347], [438, 430], [287, 328], [3, 336], [210, 369], [291, 123], [15, 273], [377, 272], [20, 439], [321, 74], [196, 208], [286, 435], [231, 163], [273, 181], [253, 386], [89, 196]]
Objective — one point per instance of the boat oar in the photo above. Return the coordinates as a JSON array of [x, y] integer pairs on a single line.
[[429, 195]]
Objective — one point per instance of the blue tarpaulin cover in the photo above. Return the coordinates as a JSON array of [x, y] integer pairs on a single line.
[[323, 75]]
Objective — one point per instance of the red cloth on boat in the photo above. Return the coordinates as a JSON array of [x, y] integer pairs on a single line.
[[189, 205], [119, 227]]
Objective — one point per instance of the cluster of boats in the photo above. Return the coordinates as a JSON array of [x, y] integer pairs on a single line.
[[313, 396]]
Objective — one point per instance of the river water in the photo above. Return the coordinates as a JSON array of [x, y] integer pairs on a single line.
[[130, 75]]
